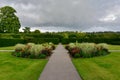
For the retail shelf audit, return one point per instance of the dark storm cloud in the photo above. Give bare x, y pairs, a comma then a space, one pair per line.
78, 13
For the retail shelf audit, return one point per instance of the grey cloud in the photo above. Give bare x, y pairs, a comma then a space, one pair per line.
82, 14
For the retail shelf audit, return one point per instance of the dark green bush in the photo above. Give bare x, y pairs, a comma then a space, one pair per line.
32, 56
42, 56
10, 42
46, 52
77, 55
41, 40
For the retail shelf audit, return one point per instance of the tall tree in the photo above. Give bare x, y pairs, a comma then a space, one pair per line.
9, 22
26, 30
37, 31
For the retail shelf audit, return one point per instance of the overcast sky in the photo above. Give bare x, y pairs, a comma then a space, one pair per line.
86, 15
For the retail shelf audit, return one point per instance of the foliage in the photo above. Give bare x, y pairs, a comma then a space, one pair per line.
87, 49
32, 50
77, 55
74, 50
37, 31
10, 42
42, 56
36, 49
39, 38
26, 30
47, 51
102, 46
20, 48
9, 22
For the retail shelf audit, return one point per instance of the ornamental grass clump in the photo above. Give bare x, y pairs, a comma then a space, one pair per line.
102, 49
36, 49
73, 49
52, 46
19, 47
19, 50
32, 50
72, 45
87, 50
28, 48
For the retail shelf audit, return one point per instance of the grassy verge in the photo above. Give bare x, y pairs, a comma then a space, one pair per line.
114, 47
99, 68
13, 68
7, 48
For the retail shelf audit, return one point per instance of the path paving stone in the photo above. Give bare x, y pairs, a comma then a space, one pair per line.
59, 67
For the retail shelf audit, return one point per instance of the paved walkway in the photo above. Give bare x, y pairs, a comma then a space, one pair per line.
59, 67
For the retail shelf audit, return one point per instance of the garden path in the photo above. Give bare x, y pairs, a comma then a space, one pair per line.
60, 67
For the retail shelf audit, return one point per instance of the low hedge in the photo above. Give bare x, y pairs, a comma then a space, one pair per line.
95, 40
41, 40
10, 42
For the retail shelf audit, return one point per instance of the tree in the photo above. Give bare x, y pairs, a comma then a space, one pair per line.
26, 30
37, 31
9, 22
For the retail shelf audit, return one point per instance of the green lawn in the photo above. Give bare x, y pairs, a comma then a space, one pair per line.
99, 68
7, 48
13, 68
114, 47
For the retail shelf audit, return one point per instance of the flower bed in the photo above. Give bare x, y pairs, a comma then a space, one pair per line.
87, 50
34, 51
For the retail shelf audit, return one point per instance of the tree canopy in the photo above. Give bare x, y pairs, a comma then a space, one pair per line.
9, 22
37, 31
26, 30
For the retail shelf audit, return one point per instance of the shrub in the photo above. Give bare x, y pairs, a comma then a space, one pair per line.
10, 42
46, 51
32, 56
87, 49
42, 56
18, 54
67, 47
32, 50
74, 51
52, 46
30, 44
72, 45
19, 48
102, 49
102, 46
36, 49
77, 55
41, 40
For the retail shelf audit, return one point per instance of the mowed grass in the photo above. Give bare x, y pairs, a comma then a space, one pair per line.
99, 68
13, 68
7, 48
114, 47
